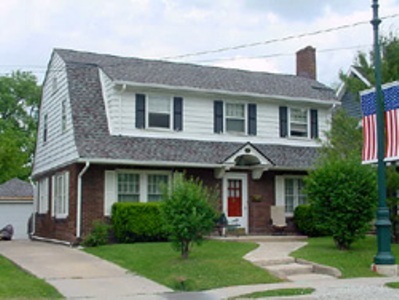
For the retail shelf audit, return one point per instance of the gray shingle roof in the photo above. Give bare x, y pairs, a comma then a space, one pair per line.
92, 136
195, 76
15, 188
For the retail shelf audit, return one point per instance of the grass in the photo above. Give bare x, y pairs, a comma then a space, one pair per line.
392, 285
276, 293
16, 283
352, 263
211, 265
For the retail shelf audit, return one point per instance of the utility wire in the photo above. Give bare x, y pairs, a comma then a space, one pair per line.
290, 37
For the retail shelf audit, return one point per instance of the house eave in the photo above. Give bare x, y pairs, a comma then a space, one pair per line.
277, 98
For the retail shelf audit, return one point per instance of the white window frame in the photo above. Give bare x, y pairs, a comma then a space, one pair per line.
60, 195
148, 112
225, 117
307, 125
42, 195
280, 187
143, 181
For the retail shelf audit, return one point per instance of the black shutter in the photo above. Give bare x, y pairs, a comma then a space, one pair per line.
178, 113
314, 124
283, 121
140, 111
252, 119
218, 116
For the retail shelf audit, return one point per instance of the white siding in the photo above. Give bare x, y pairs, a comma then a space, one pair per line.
198, 117
60, 146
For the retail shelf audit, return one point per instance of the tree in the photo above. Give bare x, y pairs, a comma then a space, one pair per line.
364, 63
188, 212
19, 103
343, 197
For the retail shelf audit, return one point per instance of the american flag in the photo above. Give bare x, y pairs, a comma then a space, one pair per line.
391, 98
391, 102
369, 122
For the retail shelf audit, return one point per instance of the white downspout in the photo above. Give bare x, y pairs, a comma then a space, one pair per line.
35, 204
79, 201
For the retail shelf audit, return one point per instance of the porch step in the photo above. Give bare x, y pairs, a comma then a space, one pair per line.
285, 270
310, 277
275, 261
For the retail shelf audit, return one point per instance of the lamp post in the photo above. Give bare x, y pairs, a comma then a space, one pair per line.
384, 255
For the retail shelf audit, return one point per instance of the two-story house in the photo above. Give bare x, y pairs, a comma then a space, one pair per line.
115, 129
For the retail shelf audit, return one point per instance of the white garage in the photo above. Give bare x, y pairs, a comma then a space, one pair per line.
16, 206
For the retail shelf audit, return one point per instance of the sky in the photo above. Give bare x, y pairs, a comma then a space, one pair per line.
168, 29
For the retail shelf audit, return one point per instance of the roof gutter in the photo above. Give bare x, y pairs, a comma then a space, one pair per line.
79, 201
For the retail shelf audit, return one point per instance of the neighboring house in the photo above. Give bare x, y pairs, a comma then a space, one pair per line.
350, 102
16, 206
114, 129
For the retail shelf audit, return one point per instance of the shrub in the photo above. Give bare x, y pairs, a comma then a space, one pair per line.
343, 195
138, 222
307, 223
98, 236
188, 212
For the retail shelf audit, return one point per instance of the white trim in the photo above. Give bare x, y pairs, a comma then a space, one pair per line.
243, 221
245, 119
147, 111
64, 194
280, 195
308, 125
342, 88
270, 97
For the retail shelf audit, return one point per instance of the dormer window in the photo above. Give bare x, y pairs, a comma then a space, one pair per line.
159, 112
299, 122
235, 117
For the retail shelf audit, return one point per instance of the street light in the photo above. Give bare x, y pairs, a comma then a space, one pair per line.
384, 255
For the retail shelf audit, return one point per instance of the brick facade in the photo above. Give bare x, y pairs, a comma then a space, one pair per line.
261, 196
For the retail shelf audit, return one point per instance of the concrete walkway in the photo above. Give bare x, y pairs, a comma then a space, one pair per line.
76, 274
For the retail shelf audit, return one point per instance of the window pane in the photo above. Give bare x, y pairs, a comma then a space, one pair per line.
299, 115
128, 187
299, 122
159, 105
299, 130
235, 125
155, 184
235, 110
301, 195
289, 195
158, 120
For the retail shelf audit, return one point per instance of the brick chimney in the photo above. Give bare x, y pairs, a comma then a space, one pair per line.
306, 62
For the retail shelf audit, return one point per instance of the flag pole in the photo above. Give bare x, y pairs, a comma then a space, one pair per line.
383, 224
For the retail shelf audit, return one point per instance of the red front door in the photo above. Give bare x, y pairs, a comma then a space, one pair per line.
234, 198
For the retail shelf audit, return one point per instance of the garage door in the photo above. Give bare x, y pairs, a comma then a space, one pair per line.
16, 214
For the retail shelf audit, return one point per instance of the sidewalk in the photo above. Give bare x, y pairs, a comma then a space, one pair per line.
76, 274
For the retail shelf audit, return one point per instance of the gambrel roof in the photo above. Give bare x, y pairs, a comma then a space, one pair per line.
92, 137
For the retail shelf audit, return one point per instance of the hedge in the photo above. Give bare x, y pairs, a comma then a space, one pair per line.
307, 223
138, 222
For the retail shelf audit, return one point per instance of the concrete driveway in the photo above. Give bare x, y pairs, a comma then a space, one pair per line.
76, 274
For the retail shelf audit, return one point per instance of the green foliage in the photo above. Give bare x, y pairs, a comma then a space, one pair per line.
19, 103
392, 285
188, 212
213, 265
364, 63
133, 222
343, 196
307, 223
344, 140
99, 235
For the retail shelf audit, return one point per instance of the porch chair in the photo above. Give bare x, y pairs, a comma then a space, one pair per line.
278, 219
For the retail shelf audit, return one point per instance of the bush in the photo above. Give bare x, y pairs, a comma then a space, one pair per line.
307, 223
138, 222
343, 195
188, 212
99, 235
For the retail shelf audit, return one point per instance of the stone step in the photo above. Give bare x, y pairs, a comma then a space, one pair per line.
309, 277
285, 270
275, 261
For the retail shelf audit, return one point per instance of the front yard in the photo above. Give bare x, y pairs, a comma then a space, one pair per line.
355, 262
17, 284
214, 264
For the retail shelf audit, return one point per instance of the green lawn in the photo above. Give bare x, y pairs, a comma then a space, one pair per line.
276, 293
211, 265
355, 262
17, 284
392, 285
